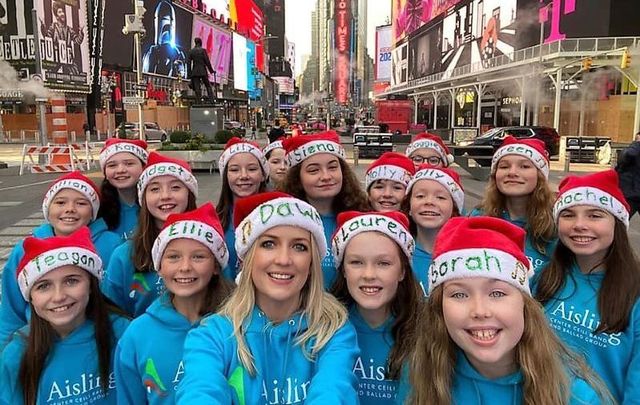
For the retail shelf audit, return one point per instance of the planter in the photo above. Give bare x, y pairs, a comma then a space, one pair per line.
197, 160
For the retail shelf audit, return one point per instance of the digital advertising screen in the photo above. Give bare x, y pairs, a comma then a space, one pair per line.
251, 70
64, 44
168, 38
425, 53
250, 20
341, 73
383, 53
240, 52
217, 42
16, 36
399, 61
117, 48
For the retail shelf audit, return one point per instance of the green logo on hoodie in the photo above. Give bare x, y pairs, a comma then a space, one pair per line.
236, 381
152, 380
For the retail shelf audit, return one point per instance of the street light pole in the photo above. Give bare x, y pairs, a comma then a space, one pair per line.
139, 12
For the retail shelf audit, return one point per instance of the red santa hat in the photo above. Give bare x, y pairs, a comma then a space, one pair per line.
447, 177
236, 146
74, 181
599, 190
254, 215
160, 165
300, 148
393, 224
44, 255
277, 144
532, 149
390, 166
429, 141
113, 146
201, 225
487, 247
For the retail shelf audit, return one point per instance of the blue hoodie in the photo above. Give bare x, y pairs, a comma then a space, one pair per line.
574, 315
71, 374
231, 270
128, 220
214, 373
329, 223
471, 387
371, 366
148, 370
538, 260
129, 289
421, 263
14, 310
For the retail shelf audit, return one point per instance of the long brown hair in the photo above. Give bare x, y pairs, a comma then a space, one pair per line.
620, 287
350, 197
540, 225
41, 337
407, 299
224, 207
547, 366
146, 234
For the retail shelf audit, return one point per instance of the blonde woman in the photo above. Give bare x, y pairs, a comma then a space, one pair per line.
279, 338
487, 340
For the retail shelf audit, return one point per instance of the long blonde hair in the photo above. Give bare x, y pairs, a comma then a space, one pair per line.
547, 366
325, 315
540, 225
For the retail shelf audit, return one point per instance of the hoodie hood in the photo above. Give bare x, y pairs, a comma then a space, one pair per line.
162, 311
43, 231
472, 387
362, 326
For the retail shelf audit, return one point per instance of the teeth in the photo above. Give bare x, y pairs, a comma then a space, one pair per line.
430, 214
167, 207
370, 290
582, 239
184, 280
61, 309
68, 219
484, 334
279, 276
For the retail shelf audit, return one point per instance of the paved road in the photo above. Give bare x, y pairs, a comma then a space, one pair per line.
21, 199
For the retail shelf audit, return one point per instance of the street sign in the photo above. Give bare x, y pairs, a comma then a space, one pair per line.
327, 99
133, 100
142, 86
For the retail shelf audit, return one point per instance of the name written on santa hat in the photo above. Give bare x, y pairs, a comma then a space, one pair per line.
162, 169
79, 185
195, 230
587, 195
311, 148
75, 258
476, 263
537, 158
373, 223
389, 172
434, 174
267, 211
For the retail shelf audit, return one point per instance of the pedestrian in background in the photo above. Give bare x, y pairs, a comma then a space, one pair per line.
72, 201
591, 288
244, 172
189, 254
373, 252
65, 354
280, 337
122, 162
518, 191
166, 186
628, 169
485, 339
275, 132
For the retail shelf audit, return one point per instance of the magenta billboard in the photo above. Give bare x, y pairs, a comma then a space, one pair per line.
217, 42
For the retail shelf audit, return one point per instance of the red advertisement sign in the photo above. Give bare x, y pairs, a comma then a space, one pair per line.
251, 25
343, 49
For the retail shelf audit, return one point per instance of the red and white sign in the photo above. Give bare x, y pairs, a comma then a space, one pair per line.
251, 24
285, 84
343, 49
383, 53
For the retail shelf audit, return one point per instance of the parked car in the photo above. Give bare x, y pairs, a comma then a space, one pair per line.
152, 131
235, 127
495, 136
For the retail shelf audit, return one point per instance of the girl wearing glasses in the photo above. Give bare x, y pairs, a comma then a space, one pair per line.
430, 149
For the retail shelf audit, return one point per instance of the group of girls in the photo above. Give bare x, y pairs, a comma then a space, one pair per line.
322, 291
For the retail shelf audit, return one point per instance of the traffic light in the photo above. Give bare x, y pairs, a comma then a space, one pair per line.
626, 59
586, 63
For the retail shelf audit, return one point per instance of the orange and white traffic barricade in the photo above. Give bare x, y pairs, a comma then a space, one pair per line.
51, 153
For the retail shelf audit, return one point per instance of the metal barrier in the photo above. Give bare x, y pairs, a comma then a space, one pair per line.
372, 145
589, 149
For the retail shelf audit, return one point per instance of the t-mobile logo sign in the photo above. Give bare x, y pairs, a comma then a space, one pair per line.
556, 9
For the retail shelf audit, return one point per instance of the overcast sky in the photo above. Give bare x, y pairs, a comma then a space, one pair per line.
298, 24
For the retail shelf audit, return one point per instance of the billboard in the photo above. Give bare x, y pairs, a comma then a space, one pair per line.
410, 15
16, 36
64, 44
117, 48
425, 53
240, 52
251, 70
217, 42
383, 53
168, 39
285, 84
274, 14
250, 20
342, 63
220, 7
399, 62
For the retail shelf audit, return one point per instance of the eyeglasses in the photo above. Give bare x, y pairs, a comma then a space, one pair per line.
432, 160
